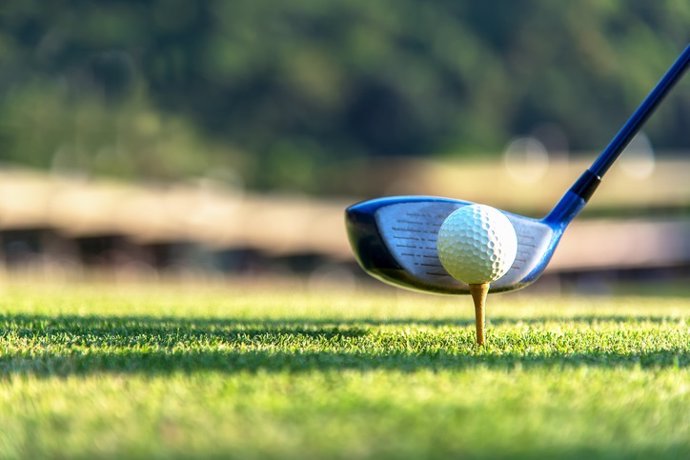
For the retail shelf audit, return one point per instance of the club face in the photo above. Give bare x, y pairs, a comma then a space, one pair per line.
394, 240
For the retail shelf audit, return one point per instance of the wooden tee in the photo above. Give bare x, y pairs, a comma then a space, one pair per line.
479, 293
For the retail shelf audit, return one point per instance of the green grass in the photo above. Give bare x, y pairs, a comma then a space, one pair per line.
160, 371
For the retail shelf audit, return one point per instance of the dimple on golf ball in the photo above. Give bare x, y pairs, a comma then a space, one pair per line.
477, 244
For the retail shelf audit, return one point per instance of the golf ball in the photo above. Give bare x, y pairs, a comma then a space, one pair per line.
477, 244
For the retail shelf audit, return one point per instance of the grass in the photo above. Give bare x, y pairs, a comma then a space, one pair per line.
174, 371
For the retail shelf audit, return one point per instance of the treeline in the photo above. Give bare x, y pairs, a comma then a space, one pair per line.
273, 93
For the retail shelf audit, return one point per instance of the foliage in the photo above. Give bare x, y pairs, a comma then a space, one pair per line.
277, 91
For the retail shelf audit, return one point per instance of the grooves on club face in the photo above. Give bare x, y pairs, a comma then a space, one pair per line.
394, 240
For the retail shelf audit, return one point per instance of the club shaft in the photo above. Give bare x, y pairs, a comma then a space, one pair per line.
578, 195
643, 112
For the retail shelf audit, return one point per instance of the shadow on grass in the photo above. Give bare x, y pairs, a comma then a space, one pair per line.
161, 345
305, 325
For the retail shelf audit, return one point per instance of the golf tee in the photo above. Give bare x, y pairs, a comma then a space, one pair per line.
479, 293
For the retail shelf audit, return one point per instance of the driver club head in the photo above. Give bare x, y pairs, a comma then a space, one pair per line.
394, 240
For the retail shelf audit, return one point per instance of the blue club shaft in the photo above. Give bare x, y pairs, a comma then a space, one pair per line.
643, 112
576, 197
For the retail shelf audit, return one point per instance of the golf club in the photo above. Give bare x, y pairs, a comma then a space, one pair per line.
394, 238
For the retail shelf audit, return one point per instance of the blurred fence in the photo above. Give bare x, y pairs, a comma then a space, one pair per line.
64, 223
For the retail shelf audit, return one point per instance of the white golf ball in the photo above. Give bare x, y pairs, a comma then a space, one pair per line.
477, 244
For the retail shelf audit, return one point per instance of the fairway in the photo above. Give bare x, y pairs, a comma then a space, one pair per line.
285, 372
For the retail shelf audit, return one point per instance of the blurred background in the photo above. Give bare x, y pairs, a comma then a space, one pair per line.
212, 139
